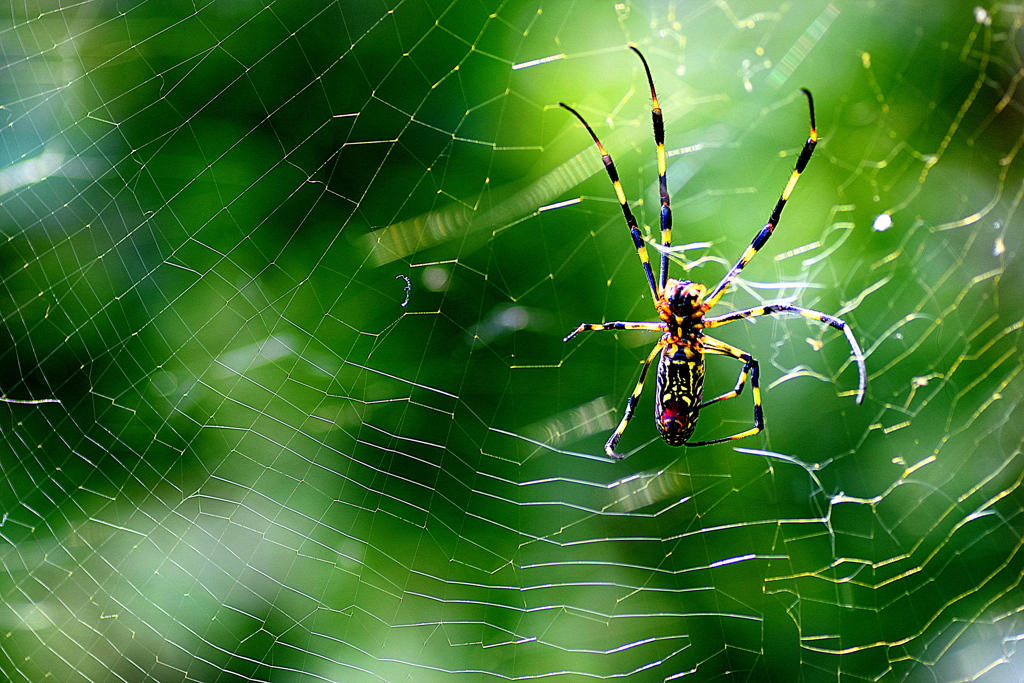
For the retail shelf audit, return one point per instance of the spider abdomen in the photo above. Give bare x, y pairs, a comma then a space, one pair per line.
678, 391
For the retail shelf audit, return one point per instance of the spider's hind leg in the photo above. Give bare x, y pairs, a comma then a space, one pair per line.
751, 369
634, 398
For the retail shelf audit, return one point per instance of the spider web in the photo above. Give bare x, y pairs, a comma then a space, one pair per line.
284, 391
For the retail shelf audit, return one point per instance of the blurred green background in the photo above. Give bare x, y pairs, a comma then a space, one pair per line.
237, 445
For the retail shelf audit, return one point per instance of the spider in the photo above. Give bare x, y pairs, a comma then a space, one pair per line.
682, 308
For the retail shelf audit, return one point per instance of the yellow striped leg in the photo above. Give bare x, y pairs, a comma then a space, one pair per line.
751, 368
597, 327
613, 440
634, 231
769, 227
666, 207
832, 321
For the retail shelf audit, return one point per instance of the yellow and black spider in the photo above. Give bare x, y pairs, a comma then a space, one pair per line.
682, 306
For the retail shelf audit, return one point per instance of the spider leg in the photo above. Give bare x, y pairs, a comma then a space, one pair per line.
618, 325
666, 207
832, 321
751, 368
759, 240
613, 440
634, 231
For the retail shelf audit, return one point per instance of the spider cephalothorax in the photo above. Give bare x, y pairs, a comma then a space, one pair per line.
682, 307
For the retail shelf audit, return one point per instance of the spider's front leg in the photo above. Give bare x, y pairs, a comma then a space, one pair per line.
761, 237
